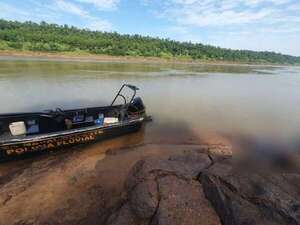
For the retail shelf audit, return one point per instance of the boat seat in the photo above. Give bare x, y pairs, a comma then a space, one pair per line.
33, 129
79, 116
32, 126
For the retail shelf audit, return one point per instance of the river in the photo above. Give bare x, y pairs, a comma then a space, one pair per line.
194, 106
255, 102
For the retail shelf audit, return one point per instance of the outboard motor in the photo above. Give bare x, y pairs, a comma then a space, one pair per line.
136, 106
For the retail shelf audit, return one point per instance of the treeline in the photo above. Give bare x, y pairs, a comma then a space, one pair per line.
54, 38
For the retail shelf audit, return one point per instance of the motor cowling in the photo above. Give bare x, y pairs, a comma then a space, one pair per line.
136, 105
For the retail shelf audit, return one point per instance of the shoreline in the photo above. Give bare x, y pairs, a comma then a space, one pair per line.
169, 184
87, 57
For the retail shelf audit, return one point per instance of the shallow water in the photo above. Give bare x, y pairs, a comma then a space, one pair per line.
249, 102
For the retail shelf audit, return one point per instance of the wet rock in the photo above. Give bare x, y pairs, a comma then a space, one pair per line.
144, 199
165, 190
187, 165
84, 187
182, 187
124, 216
243, 196
205, 188
183, 202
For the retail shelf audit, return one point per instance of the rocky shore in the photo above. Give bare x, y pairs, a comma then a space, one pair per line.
151, 185
196, 187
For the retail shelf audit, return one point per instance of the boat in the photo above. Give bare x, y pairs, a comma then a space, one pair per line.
47, 130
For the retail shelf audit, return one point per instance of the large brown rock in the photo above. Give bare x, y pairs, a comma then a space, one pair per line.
187, 164
182, 188
144, 199
165, 191
263, 196
182, 202
124, 216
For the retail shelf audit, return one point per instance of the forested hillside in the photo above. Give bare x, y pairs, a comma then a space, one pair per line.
54, 38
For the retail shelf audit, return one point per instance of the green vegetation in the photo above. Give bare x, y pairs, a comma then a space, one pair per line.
45, 37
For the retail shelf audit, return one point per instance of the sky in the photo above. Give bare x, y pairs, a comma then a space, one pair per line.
271, 25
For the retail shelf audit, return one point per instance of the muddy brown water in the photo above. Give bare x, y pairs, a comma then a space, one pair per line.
192, 105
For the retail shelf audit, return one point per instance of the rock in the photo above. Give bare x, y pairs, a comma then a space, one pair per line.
87, 187
144, 199
187, 164
123, 216
254, 197
165, 190
182, 202
182, 188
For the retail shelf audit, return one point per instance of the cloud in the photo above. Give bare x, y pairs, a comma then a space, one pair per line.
71, 8
206, 13
57, 11
35, 12
102, 5
267, 41
88, 21
10, 12
239, 24
91, 22
100, 25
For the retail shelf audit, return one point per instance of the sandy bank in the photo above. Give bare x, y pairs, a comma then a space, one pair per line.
69, 56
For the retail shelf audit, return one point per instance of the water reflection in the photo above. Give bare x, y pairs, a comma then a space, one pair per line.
39, 68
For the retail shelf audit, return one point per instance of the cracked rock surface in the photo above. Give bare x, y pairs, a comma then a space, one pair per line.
165, 191
253, 197
195, 187
150, 185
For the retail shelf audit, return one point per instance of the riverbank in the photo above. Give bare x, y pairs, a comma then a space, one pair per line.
149, 183
210, 188
83, 185
84, 56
